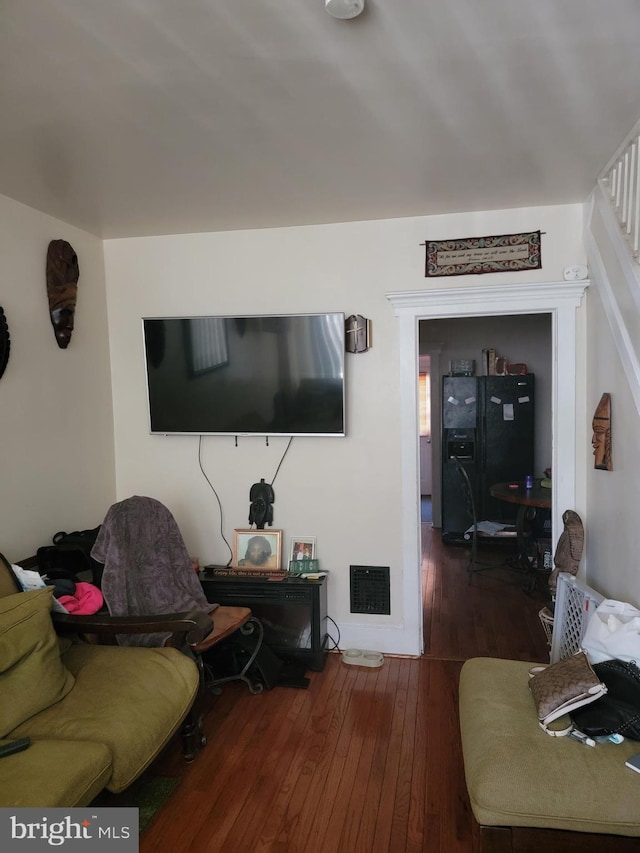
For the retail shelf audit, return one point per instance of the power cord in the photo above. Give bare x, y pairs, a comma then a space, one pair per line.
286, 450
336, 643
211, 486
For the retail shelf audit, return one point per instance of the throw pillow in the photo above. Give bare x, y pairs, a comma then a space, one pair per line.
32, 676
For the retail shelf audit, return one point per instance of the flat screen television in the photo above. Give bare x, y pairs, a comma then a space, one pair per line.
254, 375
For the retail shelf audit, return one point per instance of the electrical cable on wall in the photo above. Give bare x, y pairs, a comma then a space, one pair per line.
336, 643
211, 486
282, 460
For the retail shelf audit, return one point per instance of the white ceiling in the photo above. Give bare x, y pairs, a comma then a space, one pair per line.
137, 117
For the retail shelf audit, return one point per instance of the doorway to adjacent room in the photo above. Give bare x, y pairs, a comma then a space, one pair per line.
560, 299
524, 338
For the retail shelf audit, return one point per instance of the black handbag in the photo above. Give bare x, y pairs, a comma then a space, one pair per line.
70, 555
618, 711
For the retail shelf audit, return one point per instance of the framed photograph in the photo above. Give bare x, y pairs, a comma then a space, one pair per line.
302, 548
257, 549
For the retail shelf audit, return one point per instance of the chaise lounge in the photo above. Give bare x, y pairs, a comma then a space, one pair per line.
529, 791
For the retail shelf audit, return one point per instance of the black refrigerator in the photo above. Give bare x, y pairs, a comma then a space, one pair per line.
488, 424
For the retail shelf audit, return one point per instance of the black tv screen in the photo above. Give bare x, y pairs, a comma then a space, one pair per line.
258, 375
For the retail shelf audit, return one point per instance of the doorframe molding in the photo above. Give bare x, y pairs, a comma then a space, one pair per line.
433, 349
561, 299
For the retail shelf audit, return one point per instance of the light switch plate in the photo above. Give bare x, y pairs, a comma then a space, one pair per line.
577, 273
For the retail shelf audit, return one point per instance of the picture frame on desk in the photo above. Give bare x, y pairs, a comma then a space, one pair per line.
302, 548
257, 550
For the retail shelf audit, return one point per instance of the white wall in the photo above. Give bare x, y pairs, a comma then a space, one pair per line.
56, 447
57, 452
349, 495
611, 527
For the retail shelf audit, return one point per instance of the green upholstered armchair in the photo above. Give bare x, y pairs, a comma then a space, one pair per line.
96, 715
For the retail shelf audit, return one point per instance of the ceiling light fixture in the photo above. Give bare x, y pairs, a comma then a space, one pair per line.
344, 9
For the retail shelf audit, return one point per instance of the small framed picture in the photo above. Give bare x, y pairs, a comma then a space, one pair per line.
303, 548
257, 549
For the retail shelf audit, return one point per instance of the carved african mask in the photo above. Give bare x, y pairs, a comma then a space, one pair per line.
5, 342
62, 288
261, 496
601, 439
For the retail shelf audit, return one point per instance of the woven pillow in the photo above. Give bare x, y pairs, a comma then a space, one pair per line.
32, 676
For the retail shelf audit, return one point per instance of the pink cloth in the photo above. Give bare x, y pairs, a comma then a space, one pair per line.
86, 600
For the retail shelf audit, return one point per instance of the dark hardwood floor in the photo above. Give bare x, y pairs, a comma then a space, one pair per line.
363, 760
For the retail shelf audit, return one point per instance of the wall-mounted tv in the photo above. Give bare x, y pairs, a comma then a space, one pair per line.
254, 375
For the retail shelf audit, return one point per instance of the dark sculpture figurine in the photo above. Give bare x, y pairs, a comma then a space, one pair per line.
62, 288
569, 548
261, 511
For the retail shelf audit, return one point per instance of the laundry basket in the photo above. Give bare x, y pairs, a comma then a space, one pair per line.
575, 602
546, 618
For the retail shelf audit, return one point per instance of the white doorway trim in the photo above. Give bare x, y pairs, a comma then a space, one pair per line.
558, 298
434, 350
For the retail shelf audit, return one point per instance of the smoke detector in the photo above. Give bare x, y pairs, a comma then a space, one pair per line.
577, 273
344, 9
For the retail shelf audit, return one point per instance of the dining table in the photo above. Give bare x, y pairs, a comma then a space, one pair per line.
528, 499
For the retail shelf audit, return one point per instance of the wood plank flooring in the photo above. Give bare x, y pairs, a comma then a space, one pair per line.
363, 761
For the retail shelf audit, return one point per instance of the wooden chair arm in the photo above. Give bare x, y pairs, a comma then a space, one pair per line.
189, 627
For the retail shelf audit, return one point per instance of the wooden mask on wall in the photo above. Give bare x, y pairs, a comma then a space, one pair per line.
62, 288
601, 439
5, 342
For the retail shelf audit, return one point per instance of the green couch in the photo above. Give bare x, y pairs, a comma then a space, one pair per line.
97, 715
529, 791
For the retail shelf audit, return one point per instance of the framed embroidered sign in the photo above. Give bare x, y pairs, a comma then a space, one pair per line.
477, 255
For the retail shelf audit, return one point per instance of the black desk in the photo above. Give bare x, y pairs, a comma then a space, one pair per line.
292, 611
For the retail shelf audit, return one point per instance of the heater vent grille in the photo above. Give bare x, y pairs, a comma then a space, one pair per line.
370, 591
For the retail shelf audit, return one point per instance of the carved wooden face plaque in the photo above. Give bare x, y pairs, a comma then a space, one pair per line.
5, 342
601, 439
62, 288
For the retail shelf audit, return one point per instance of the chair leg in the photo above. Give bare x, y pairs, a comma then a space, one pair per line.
192, 731
251, 627
473, 554
474, 565
193, 736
